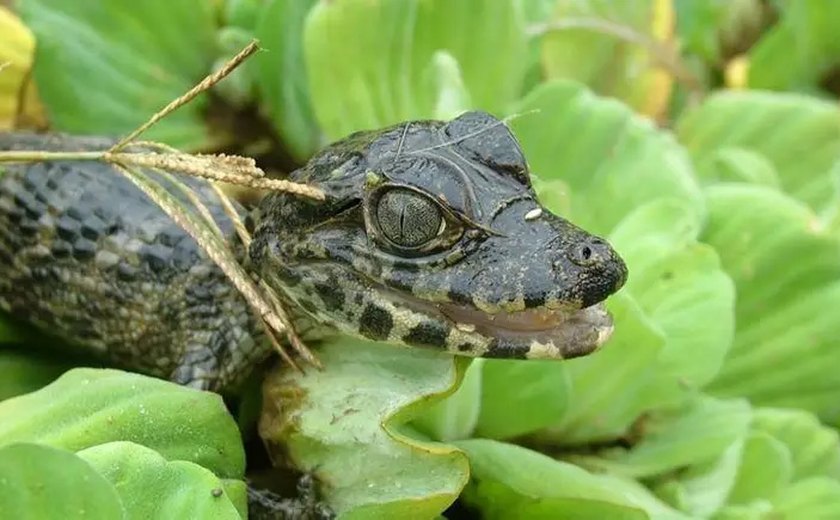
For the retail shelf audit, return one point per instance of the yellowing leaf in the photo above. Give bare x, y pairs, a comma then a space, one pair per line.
737, 71
17, 49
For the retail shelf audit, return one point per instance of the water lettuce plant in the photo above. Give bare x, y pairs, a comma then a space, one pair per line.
701, 137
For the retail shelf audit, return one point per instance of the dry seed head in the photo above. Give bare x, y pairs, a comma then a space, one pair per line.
232, 169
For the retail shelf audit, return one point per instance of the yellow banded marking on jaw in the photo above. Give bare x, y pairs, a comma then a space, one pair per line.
457, 339
540, 350
404, 321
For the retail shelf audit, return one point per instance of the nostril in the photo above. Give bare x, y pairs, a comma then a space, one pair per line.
586, 253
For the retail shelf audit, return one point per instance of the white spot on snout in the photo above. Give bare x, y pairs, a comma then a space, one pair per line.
534, 214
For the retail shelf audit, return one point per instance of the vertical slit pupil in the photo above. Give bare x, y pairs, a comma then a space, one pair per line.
409, 219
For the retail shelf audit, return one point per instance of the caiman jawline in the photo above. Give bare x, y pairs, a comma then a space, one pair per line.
546, 333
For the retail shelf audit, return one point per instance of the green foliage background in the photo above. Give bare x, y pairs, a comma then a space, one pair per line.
701, 137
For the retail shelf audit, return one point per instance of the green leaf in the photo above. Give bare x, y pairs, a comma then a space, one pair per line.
814, 498
697, 434
281, 74
535, 12
444, 78
815, 448
345, 425
455, 417
682, 288
798, 51
519, 397
754, 511
152, 487
614, 63
610, 160
734, 164
237, 493
602, 408
661, 353
567, 509
119, 62
237, 89
799, 135
24, 373
765, 469
40, 482
831, 215
702, 490
787, 272
239, 19
369, 61
242, 13
697, 23
86, 407
711, 29
509, 481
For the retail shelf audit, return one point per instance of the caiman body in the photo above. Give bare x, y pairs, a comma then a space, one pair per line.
430, 235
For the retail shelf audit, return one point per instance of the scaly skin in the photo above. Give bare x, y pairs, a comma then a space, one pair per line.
88, 257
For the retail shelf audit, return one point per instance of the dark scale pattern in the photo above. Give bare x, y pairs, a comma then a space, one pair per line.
120, 278
427, 334
331, 295
375, 323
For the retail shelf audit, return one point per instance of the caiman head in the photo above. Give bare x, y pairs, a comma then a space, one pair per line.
431, 235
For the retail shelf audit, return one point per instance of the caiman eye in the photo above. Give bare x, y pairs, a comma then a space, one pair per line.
408, 219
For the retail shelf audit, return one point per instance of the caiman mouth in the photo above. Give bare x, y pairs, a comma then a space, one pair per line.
551, 333
538, 333
546, 333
